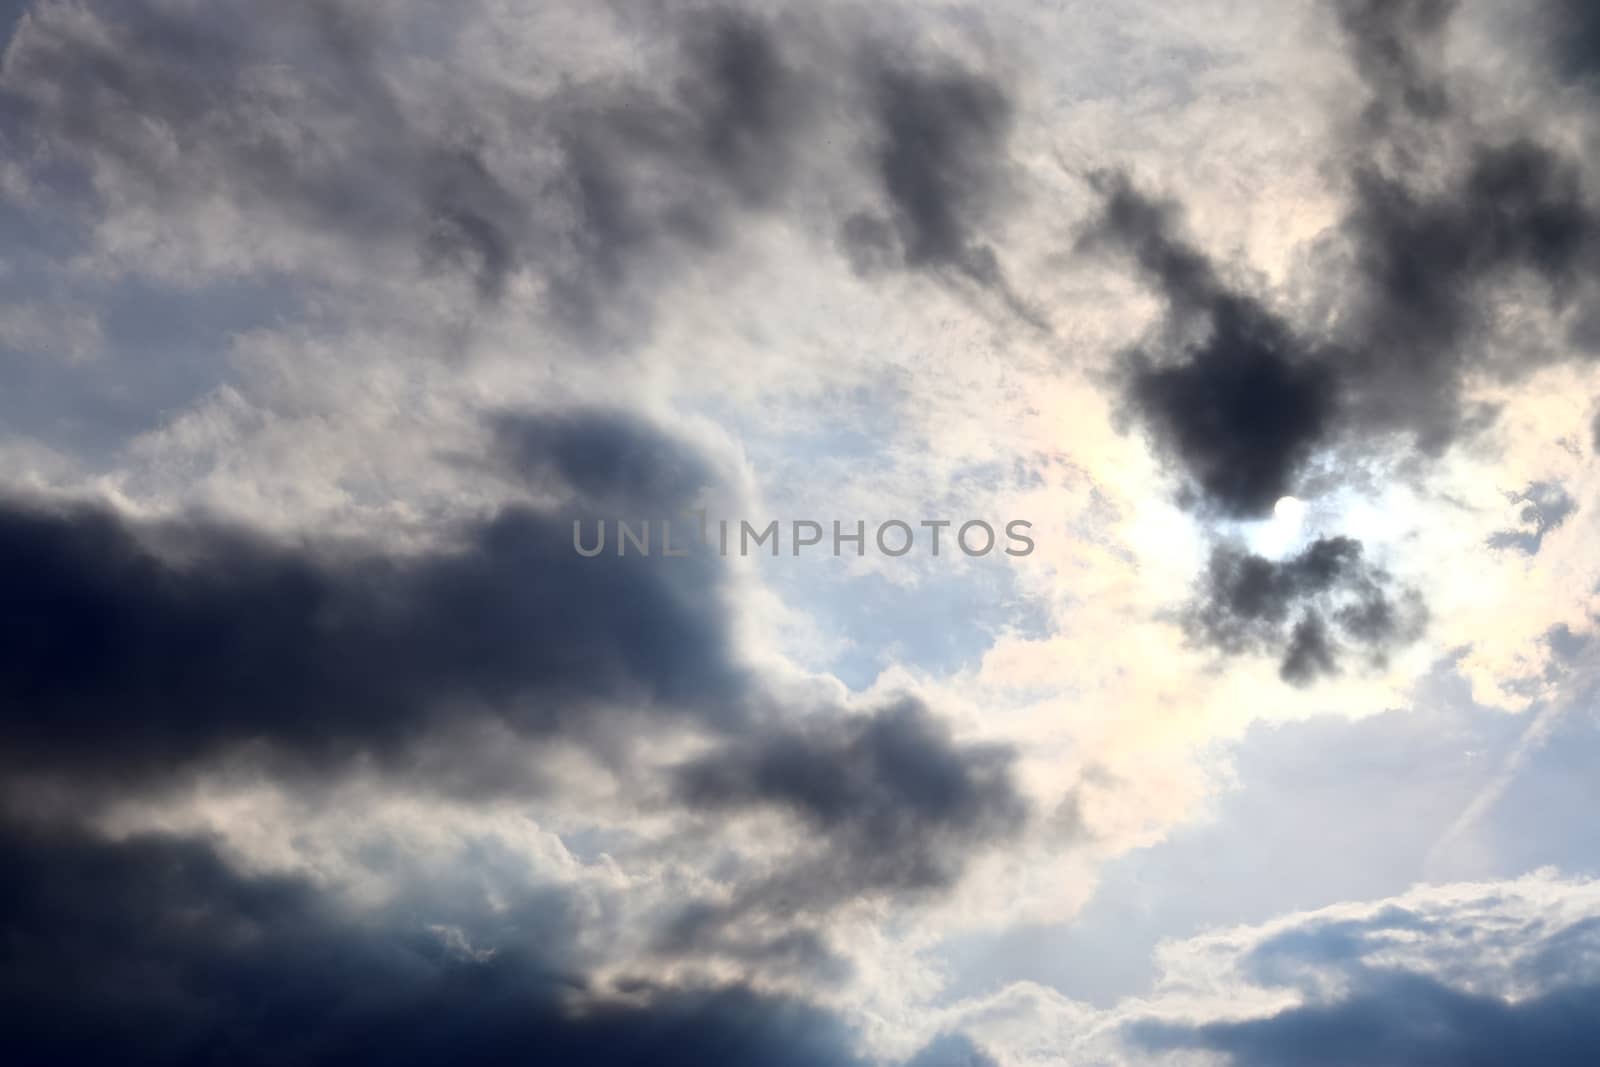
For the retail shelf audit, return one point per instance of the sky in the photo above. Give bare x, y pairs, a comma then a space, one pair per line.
331, 332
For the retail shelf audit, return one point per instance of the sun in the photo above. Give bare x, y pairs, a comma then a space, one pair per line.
1289, 511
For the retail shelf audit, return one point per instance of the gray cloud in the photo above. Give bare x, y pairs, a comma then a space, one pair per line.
1312, 609
612, 459
594, 191
173, 107
648, 172
338, 151
190, 961
1384, 36
1429, 261
706, 931
890, 802
1574, 34
1242, 408
1245, 402
1565, 645
1433, 235
941, 136
942, 166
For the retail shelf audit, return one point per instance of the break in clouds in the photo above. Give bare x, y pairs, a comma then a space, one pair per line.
1443, 221
719, 853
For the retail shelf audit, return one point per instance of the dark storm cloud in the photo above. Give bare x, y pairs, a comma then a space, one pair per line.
1432, 265
1574, 34
1246, 406
890, 801
153, 951
140, 648
1545, 506
1442, 226
1311, 609
137, 653
1437, 238
879, 804
1242, 407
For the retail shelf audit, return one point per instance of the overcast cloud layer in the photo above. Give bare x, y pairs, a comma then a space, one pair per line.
330, 332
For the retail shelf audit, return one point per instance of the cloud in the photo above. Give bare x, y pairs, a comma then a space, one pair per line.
893, 803
188, 961
610, 458
1241, 409
1313, 609
178, 642
705, 931
1574, 28
1248, 404
1405, 1020
941, 142
1473, 974
299, 118
1433, 233
943, 170
593, 189
1428, 260
1566, 646
142, 654
1383, 40
191, 960
178, 106
750, 99
464, 178
647, 173
1545, 506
